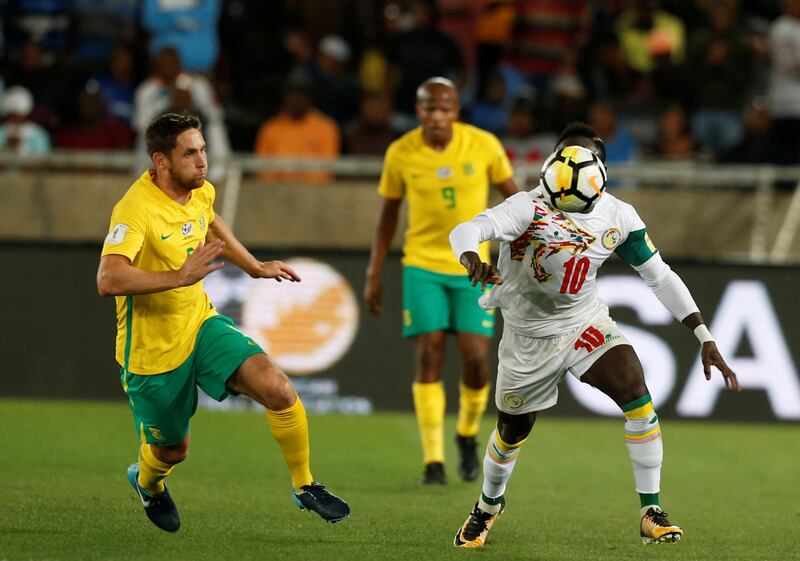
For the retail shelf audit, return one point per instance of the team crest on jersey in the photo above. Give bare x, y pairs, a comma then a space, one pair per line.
468, 169
513, 400
202, 222
186, 229
611, 238
444, 172
157, 434
549, 233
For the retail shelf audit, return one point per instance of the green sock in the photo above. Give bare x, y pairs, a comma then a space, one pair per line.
648, 499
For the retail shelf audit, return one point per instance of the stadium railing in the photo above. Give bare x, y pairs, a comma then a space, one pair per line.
762, 181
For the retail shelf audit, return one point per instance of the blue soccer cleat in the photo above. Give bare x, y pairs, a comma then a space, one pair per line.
160, 509
315, 497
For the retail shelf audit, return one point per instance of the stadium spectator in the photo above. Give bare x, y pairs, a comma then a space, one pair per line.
189, 26
644, 29
117, 86
336, 91
784, 85
98, 25
170, 89
299, 130
620, 146
444, 169
489, 111
18, 133
674, 140
757, 145
546, 33
415, 55
494, 29
95, 129
720, 62
372, 132
38, 77
523, 142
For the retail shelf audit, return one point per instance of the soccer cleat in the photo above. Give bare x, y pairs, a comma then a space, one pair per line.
434, 474
655, 527
468, 457
315, 497
476, 527
160, 509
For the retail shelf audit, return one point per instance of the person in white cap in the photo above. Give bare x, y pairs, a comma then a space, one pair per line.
17, 133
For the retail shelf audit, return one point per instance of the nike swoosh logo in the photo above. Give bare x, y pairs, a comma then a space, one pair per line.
163, 237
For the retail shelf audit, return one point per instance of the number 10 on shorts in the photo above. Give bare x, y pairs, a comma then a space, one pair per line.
590, 339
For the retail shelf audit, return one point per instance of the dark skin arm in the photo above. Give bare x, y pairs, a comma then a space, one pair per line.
711, 356
478, 271
387, 226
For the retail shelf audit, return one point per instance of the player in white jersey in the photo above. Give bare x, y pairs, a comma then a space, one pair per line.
554, 323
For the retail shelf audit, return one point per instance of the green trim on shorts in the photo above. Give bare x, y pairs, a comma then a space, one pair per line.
441, 302
162, 404
128, 329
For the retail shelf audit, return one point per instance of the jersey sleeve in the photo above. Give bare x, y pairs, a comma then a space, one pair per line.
499, 165
391, 185
637, 247
126, 231
510, 218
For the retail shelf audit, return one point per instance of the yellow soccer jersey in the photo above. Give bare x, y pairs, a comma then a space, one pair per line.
156, 332
443, 189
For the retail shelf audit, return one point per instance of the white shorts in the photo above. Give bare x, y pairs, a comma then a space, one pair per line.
530, 368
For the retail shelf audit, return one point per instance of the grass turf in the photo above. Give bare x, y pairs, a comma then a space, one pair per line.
65, 496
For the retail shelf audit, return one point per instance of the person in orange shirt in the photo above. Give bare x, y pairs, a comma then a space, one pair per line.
299, 130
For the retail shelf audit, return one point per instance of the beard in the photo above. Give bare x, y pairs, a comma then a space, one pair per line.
189, 182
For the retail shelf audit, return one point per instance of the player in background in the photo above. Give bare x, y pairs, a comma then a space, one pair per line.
444, 169
164, 237
555, 322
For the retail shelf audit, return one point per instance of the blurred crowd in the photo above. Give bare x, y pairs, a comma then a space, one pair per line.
677, 79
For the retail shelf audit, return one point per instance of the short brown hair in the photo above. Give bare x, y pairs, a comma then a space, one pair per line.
162, 134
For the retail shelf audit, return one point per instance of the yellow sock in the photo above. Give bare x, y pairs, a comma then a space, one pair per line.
152, 471
429, 403
290, 429
471, 405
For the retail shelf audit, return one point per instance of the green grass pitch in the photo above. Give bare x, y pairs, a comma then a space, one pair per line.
64, 493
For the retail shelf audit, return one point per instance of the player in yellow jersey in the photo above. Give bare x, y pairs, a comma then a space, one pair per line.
163, 240
444, 169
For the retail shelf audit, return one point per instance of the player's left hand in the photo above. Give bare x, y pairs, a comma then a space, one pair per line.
711, 357
277, 270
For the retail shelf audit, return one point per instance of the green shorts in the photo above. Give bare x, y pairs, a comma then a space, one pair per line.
162, 404
437, 302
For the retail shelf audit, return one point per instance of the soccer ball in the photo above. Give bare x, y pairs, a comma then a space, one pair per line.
573, 179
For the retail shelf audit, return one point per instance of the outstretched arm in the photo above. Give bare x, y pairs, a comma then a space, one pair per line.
465, 239
384, 233
237, 254
673, 293
116, 276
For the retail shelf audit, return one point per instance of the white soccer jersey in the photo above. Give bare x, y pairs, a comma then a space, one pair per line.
549, 259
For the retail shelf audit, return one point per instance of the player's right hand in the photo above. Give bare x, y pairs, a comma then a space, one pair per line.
372, 295
200, 263
478, 271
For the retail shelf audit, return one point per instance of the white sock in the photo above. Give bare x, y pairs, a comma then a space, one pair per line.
498, 463
646, 450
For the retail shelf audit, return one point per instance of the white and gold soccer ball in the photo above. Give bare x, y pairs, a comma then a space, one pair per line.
573, 179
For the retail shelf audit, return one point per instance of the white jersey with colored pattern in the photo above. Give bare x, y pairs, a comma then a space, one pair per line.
549, 259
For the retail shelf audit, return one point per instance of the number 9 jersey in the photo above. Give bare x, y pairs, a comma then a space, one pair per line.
549, 259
